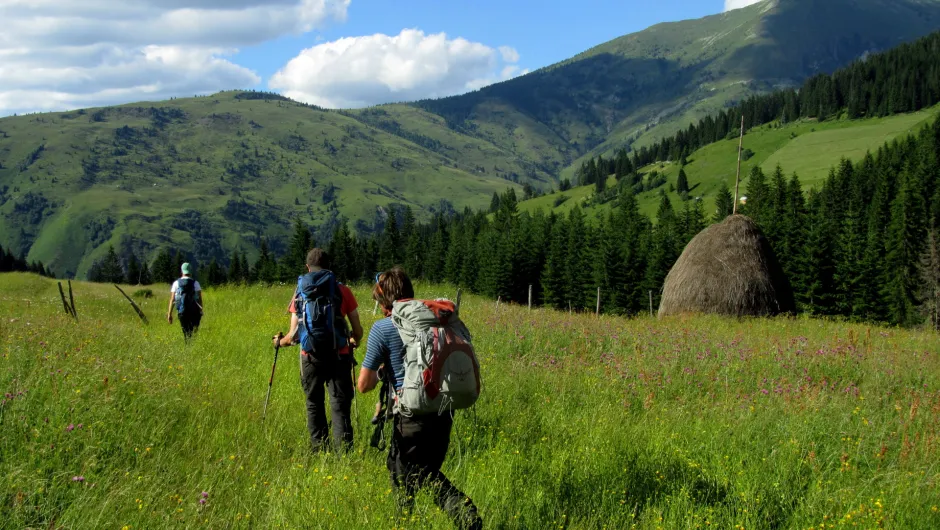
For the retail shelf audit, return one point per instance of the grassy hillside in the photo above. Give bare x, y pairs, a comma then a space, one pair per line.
646, 85
807, 148
583, 423
215, 173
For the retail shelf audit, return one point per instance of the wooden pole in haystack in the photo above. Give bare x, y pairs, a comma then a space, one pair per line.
737, 178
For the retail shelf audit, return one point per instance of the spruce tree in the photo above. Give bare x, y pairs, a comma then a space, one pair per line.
724, 203
930, 279
235, 274
554, 285
903, 245
293, 264
682, 183
163, 271
391, 249
435, 259
133, 271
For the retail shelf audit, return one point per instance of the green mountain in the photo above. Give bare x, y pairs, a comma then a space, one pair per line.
218, 173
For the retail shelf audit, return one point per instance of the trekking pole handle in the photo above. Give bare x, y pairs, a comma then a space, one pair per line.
277, 348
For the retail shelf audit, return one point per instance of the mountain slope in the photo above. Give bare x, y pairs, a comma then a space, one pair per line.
640, 87
216, 173
213, 174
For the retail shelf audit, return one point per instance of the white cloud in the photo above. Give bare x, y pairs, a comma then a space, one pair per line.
57, 54
737, 4
362, 71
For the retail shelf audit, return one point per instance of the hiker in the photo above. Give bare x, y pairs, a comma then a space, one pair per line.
419, 441
186, 295
319, 310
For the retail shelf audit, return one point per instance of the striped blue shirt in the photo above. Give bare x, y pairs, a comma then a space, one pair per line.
385, 343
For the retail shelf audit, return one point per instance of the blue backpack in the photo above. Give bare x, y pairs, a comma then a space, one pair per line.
186, 297
322, 327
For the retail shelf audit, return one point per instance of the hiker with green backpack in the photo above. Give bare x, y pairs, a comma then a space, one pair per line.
434, 372
186, 295
319, 310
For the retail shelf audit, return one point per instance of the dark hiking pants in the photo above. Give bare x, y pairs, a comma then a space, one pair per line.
336, 375
418, 449
189, 323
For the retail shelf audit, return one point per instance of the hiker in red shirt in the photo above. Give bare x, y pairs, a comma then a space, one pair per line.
331, 362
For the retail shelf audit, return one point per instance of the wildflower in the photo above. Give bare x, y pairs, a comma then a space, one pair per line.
205, 494
78, 478
70, 428
202, 501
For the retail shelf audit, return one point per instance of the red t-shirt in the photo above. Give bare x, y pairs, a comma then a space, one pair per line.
348, 306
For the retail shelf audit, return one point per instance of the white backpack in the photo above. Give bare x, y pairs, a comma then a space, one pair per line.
441, 368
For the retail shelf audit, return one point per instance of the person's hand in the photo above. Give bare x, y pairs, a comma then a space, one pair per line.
169, 317
352, 343
277, 339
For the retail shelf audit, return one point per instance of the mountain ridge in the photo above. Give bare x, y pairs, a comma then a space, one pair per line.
248, 163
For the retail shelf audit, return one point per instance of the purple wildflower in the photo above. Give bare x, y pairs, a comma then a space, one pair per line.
78, 478
70, 428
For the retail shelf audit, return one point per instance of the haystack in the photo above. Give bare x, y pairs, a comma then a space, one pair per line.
728, 269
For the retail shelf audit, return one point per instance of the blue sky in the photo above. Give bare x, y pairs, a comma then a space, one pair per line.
65, 54
543, 32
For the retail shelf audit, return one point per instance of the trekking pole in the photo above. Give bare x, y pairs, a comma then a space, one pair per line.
352, 352
277, 348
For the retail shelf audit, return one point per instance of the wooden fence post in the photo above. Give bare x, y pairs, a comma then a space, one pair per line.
498, 300
651, 303
530, 297
597, 312
72, 301
458, 302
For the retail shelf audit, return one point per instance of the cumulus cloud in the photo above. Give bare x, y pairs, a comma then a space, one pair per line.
57, 54
362, 71
737, 4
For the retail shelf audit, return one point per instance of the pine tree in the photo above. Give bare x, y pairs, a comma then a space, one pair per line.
663, 253
682, 184
107, 269
434, 263
578, 266
554, 285
816, 266
163, 267
930, 280
133, 271
215, 274
391, 249
293, 264
341, 252
265, 269
146, 278
235, 273
758, 197
724, 203
904, 242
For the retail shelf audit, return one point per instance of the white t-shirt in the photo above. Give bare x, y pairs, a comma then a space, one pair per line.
176, 284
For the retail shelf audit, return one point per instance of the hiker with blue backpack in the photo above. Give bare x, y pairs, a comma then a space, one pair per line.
434, 372
319, 310
186, 295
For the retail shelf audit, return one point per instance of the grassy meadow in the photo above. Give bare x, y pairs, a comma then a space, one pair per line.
808, 148
584, 422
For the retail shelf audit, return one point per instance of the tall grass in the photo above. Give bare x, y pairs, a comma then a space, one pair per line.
584, 422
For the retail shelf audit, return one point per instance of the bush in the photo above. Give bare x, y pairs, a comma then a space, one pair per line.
560, 200
143, 293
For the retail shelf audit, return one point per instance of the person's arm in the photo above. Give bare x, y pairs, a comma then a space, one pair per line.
369, 373
288, 340
357, 332
368, 379
169, 308
201, 302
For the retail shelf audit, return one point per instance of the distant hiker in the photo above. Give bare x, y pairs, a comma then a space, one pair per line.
420, 436
319, 309
186, 295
